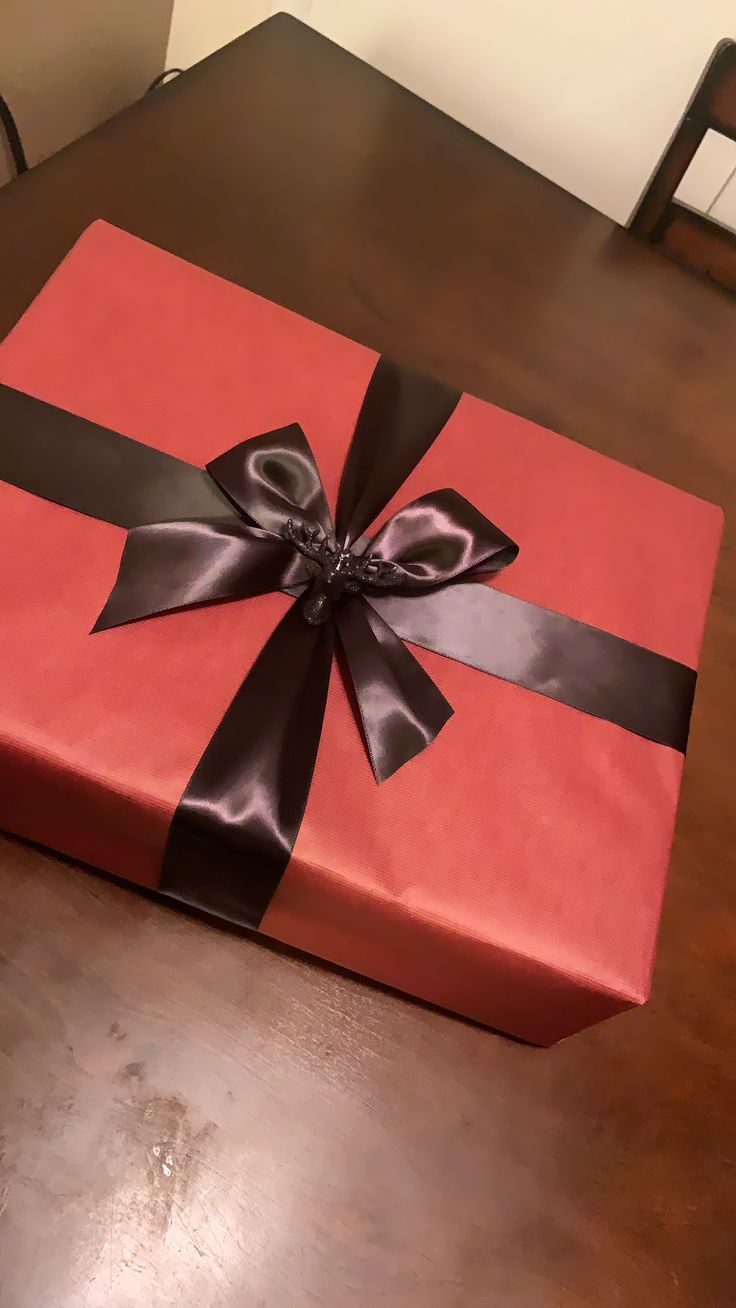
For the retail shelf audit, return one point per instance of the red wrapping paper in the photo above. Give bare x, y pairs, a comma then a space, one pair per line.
513, 872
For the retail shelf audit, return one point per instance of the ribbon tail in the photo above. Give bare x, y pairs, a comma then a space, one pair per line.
174, 565
401, 710
235, 826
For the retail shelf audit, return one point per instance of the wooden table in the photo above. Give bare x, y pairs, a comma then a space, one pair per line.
196, 1119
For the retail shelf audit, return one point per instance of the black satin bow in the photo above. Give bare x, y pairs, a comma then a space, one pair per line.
243, 807
285, 537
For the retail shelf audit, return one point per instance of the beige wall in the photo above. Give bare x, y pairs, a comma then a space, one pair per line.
65, 65
586, 91
200, 26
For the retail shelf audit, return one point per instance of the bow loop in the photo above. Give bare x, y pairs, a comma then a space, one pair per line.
272, 478
439, 538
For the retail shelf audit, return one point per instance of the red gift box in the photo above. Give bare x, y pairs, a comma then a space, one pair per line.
513, 871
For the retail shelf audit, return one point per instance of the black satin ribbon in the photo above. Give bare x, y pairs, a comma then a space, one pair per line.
236, 823
67, 459
563, 658
204, 536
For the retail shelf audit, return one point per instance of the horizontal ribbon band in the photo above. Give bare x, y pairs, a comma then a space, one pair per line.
563, 658
67, 459
257, 520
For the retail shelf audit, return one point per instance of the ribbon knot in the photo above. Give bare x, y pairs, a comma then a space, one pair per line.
336, 571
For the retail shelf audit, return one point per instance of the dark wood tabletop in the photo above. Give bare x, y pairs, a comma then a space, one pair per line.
196, 1118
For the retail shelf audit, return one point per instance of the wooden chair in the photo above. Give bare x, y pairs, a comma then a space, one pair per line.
693, 239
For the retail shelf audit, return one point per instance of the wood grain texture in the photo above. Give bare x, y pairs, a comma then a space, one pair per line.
197, 1118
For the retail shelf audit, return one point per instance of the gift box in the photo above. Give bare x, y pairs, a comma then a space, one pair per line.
448, 759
